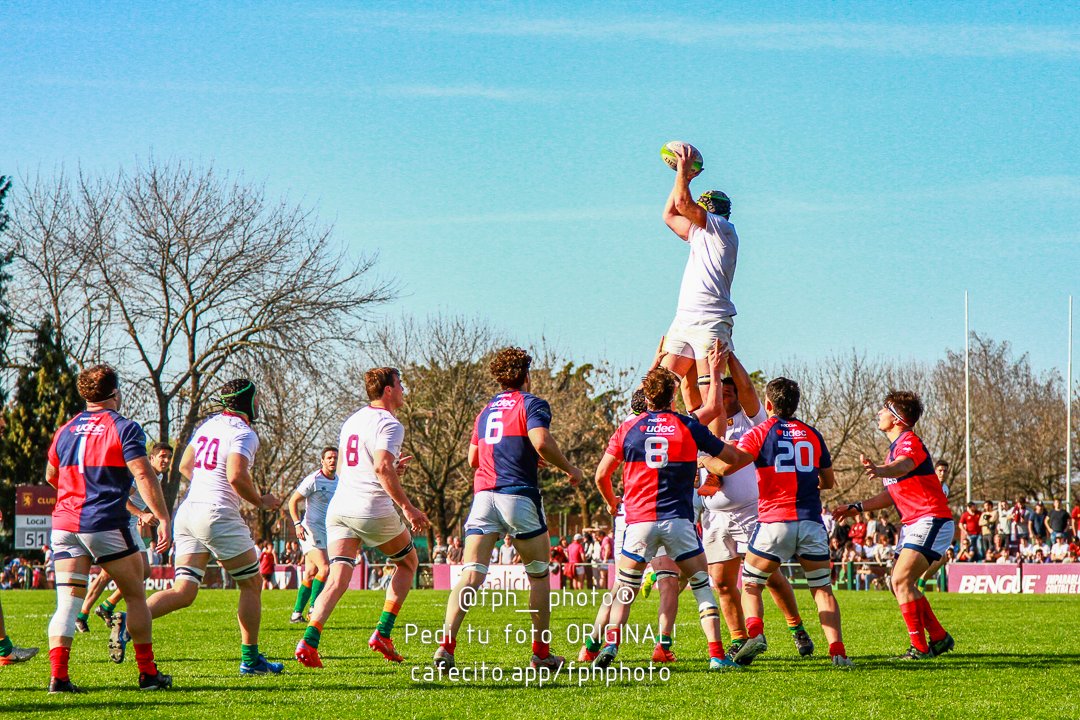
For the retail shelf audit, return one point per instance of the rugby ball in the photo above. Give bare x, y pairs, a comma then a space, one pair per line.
667, 154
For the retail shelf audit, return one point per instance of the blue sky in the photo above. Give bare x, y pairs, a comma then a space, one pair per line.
503, 159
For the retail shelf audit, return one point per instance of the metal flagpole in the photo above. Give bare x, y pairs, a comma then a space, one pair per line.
967, 401
1068, 416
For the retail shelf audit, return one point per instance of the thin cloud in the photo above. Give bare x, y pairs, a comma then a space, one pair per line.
872, 38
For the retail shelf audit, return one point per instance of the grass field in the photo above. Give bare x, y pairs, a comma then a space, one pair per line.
1015, 657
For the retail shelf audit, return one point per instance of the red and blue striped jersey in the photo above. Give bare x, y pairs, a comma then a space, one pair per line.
508, 460
788, 455
660, 450
91, 453
917, 494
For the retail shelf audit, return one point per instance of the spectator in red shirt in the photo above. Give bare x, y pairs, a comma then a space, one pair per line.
266, 565
1076, 520
575, 556
969, 520
857, 534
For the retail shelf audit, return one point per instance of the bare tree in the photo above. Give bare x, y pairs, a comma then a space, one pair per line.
198, 274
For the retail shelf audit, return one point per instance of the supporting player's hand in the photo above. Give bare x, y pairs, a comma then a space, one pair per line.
402, 464
418, 521
575, 476
718, 356
148, 519
868, 467
270, 501
164, 537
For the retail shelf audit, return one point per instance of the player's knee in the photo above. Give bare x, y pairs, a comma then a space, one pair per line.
474, 573
405, 557
667, 577
752, 577
630, 577
820, 578
537, 569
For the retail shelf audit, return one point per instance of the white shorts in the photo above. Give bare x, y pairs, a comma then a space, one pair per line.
726, 533
521, 516
695, 338
101, 547
315, 539
678, 536
619, 534
372, 532
782, 541
929, 535
217, 529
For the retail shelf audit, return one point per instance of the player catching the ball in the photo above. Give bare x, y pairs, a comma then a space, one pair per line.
926, 522
705, 312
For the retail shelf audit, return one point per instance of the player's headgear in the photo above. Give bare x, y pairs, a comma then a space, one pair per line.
716, 202
238, 396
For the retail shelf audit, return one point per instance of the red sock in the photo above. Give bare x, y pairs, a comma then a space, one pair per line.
144, 658
613, 636
837, 648
541, 650
58, 659
754, 626
913, 619
716, 649
929, 620
449, 646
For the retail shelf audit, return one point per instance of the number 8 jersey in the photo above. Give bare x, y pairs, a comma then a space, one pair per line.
508, 460
217, 438
788, 455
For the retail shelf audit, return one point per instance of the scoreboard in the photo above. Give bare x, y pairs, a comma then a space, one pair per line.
33, 516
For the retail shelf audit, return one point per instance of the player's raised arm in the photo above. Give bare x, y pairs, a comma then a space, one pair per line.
681, 212
744, 386
713, 409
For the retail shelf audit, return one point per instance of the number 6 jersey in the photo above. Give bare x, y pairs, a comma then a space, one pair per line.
789, 455
213, 442
508, 460
660, 450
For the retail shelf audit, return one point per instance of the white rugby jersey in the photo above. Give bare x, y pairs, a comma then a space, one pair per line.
705, 292
739, 488
213, 441
316, 489
359, 493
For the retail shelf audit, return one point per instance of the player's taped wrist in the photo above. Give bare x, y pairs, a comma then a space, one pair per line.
856, 506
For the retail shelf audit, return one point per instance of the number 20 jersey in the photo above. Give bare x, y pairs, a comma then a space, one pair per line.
789, 455
213, 442
508, 460
660, 450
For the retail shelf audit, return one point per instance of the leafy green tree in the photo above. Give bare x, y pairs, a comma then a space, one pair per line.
45, 398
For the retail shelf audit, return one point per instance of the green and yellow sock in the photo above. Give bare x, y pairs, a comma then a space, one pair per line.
666, 641
82, 616
313, 634
795, 629
249, 654
317, 586
107, 606
386, 620
302, 596
5, 646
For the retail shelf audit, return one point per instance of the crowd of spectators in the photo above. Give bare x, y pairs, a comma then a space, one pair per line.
1004, 533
